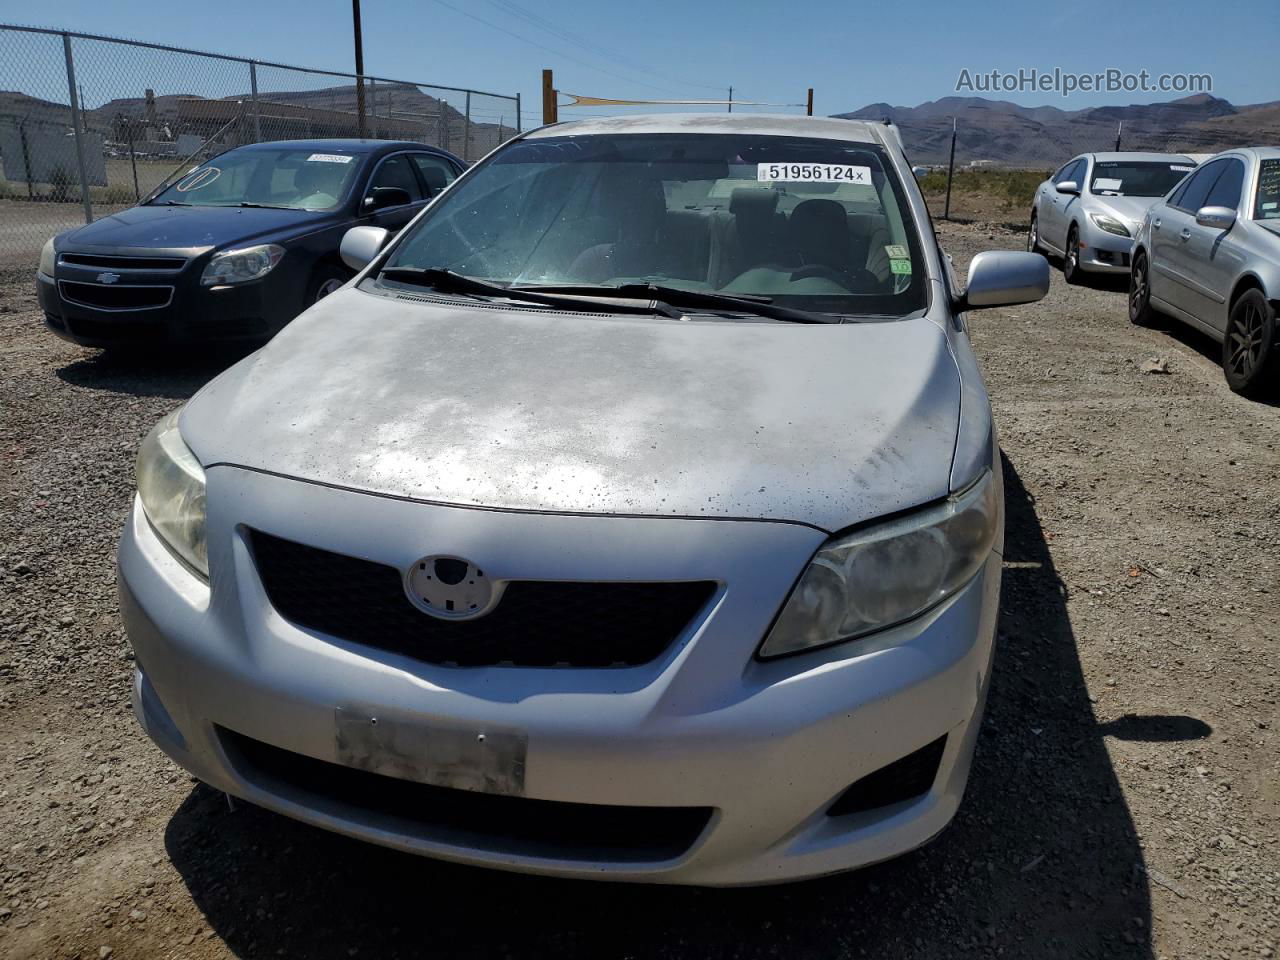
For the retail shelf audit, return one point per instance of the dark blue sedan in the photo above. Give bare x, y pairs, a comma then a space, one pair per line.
236, 247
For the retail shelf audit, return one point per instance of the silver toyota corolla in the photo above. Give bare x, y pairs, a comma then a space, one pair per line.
635, 513
1088, 212
1209, 254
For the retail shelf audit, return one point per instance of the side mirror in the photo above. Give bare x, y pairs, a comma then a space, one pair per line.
1216, 218
919, 172
1002, 278
1068, 186
381, 197
361, 244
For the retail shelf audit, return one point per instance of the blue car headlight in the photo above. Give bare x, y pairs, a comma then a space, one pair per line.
241, 265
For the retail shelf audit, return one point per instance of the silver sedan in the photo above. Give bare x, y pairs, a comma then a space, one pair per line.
1088, 211
636, 513
1209, 255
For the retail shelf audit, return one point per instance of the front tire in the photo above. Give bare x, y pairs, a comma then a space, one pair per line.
1071, 271
326, 279
1249, 351
1033, 235
1141, 313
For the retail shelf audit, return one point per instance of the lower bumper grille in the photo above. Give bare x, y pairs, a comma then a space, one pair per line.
513, 825
538, 623
906, 779
115, 297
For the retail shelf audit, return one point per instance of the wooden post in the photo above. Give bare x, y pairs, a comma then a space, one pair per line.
809, 109
550, 113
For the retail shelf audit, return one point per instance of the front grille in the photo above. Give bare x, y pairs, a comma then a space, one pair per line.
537, 623
103, 296
123, 263
906, 779
479, 821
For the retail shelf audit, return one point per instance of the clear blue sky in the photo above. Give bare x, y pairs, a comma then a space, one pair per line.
852, 53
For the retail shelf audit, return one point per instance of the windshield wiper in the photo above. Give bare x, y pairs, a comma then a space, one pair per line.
447, 281
173, 203
692, 299
262, 206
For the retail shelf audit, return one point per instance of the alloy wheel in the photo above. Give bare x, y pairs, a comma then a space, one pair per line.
1245, 341
1138, 289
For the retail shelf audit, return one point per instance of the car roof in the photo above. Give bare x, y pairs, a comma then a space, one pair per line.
766, 124
1141, 157
347, 145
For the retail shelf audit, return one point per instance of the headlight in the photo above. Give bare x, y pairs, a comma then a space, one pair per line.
48, 258
1109, 224
171, 487
888, 573
237, 266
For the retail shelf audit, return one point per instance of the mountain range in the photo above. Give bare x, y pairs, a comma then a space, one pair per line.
1009, 134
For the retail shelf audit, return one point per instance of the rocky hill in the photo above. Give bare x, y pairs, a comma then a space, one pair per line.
1009, 134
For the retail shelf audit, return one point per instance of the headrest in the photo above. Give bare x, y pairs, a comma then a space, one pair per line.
819, 214
757, 201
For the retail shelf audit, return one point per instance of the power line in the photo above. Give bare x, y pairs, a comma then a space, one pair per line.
542, 23
558, 53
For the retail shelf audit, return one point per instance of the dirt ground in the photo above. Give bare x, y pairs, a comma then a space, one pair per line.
1126, 792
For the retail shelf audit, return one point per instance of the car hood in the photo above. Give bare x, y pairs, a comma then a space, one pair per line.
490, 406
184, 228
1130, 210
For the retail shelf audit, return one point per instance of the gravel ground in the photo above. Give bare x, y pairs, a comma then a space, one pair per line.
1123, 803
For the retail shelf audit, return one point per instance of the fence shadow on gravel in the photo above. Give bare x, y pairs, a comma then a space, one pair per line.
1042, 861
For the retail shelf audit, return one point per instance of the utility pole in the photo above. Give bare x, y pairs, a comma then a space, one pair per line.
731, 99
550, 110
359, 41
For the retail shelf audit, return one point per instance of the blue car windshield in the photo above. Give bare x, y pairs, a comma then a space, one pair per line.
281, 177
812, 224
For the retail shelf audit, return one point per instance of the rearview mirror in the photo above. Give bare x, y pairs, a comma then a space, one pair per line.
1002, 278
381, 197
1216, 218
1068, 186
361, 244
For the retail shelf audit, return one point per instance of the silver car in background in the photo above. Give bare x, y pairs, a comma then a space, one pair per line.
1089, 210
1209, 255
635, 514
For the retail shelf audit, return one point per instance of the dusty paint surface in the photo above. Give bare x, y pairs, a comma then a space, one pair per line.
543, 410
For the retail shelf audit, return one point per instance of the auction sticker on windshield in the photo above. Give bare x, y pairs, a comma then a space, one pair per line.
328, 158
813, 173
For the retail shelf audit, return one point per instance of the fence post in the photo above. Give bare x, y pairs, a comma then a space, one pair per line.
517, 113
466, 130
373, 105
76, 123
809, 109
1119, 130
443, 126
257, 113
951, 171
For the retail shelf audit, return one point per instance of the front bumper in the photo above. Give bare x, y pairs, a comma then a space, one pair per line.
193, 314
1103, 252
765, 746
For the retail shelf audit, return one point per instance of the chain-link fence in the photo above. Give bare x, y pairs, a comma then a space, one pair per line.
91, 125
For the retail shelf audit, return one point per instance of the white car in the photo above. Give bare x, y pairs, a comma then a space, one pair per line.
1088, 212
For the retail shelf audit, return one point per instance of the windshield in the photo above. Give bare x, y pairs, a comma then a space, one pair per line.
280, 177
1129, 178
1267, 206
818, 225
